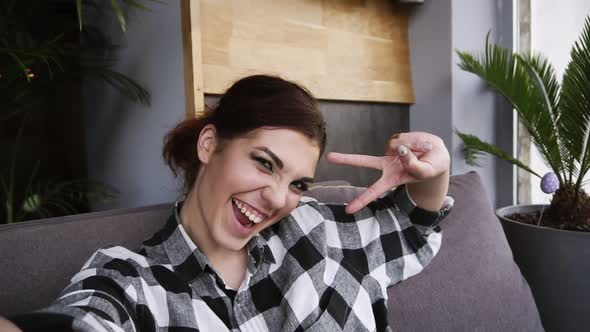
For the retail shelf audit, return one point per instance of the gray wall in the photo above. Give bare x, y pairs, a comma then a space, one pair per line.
448, 98
124, 140
362, 128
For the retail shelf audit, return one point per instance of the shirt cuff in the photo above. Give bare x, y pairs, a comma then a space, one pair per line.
418, 215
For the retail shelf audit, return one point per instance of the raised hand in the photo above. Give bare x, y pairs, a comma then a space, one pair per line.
409, 158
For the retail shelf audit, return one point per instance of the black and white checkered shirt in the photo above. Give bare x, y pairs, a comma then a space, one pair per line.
318, 269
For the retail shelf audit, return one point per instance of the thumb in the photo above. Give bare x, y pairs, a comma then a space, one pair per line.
410, 162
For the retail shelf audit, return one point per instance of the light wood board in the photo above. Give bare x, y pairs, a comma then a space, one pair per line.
339, 49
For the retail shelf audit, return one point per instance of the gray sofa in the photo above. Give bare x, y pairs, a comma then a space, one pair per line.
473, 283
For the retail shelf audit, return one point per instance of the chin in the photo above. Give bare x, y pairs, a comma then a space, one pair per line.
228, 241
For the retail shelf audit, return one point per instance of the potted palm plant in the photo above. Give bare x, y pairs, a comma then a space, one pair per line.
550, 243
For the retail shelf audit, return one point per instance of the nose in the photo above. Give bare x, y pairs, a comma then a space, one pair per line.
275, 195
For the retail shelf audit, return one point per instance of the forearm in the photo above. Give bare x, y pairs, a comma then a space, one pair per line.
7, 326
430, 195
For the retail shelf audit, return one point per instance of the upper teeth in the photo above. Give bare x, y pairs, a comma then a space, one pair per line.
248, 213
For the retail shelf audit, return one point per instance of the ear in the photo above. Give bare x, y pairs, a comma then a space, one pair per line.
207, 143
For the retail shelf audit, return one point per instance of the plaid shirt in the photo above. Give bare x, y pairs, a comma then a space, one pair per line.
318, 269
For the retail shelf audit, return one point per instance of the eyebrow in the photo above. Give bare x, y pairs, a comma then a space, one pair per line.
279, 162
272, 155
306, 179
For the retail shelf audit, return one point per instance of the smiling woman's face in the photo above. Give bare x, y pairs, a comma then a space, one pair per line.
252, 182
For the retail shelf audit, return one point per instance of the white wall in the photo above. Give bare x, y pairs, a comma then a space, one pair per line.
476, 109
555, 26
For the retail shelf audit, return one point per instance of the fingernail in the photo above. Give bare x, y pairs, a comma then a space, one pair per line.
427, 146
402, 150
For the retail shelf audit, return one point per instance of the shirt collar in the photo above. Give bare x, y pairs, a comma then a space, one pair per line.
258, 251
188, 261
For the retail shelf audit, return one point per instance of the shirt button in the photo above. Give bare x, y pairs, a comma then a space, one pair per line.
239, 300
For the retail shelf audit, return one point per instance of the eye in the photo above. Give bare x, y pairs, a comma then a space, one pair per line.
265, 163
300, 186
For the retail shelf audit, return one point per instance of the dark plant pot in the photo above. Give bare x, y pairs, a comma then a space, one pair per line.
556, 264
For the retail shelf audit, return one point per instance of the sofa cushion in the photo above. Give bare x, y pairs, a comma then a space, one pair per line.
39, 257
473, 283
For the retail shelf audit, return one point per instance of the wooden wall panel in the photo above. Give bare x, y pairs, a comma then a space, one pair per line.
192, 57
339, 49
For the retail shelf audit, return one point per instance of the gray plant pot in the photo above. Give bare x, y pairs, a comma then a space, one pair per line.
556, 264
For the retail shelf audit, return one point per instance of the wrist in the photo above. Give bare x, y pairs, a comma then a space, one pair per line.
430, 194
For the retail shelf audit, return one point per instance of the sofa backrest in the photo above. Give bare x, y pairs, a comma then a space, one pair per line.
39, 257
472, 284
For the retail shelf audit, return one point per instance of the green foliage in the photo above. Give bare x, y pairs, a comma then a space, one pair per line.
47, 199
29, 57
116, 7
43, 45
474, 148
556, 117
43, 199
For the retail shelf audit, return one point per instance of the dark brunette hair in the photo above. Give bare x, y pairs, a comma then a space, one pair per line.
250, 103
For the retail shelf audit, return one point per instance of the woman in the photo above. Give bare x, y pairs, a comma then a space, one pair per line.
243, 250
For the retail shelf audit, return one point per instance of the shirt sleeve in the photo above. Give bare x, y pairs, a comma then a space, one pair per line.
391, 238
101, 297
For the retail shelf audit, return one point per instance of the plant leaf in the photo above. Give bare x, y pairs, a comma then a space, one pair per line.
64, 197
136, 4
475, 147
79, 12
506, 73
543, 78
124, 84
575, 103
120, 15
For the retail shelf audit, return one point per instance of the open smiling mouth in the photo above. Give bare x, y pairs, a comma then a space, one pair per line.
245, 215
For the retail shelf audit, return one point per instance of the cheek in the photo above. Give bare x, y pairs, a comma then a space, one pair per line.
244, 179
234, 175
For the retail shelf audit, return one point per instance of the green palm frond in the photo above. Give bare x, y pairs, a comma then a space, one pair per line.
557, 118
543, 79
25, 56
66, 197
575, 103
510, 75
28, 64
475, 148
120, 15
32, 64
544, 74
79, 12
122, 83
116, 8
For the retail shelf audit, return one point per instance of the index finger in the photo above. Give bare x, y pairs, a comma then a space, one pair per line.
358, 160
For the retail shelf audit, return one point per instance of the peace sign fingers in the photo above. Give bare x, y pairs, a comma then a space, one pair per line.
372, 193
